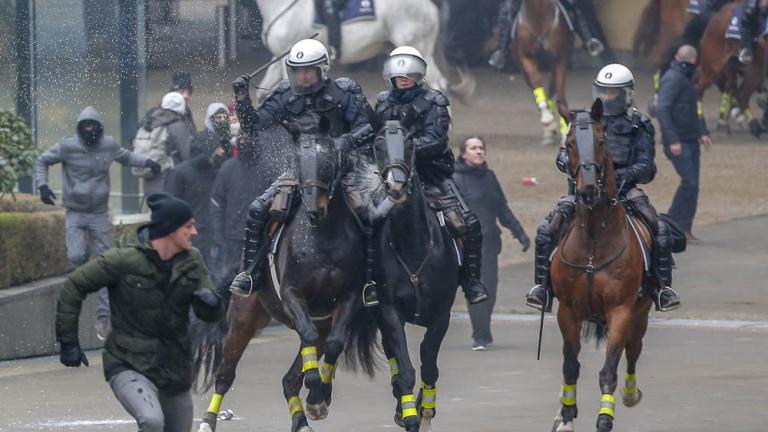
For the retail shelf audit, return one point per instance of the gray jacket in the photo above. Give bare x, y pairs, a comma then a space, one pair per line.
85, 169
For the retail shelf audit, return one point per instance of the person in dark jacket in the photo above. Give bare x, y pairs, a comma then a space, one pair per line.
170, 115
682, 131
193, 180
483, 194
182, 84
86, 158
230, 200
153, 283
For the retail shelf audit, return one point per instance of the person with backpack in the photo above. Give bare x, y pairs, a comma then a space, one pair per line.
86, 158
165, 138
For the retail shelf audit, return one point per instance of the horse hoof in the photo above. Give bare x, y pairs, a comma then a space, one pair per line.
755, 129
209, 423
631, 400
205, 427
426, 424
604, 423
305, 429
399, 420
547, 118
317, 412
563, 427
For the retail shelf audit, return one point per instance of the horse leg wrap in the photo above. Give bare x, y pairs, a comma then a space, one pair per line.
393, 369
408, 402
568, 395
428, 396
607, 405
541, 98
295, 406
725, 106
630, 384
327, 372
699, 109
656, 80
308, 359
215, 405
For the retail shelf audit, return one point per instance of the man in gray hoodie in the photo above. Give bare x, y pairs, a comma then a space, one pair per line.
86, 158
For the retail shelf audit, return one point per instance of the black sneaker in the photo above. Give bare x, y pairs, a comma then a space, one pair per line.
539, 298
667, 300
475, 292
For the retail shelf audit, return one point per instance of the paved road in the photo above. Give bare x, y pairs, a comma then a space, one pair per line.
697, 374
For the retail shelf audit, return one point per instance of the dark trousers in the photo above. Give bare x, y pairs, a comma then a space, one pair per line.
480, 314
683, 207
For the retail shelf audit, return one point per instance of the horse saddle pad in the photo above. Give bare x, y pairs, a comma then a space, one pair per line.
563, 13
734, 28
354, 10
694, 7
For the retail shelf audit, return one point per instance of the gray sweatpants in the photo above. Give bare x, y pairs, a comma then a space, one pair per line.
99, 228
153, 411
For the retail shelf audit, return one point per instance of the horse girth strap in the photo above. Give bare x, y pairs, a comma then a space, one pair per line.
590, 267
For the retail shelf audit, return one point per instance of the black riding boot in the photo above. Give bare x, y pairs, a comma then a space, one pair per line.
665, 298
507, 14
474, 289
581, 26
370, 289
749, 24
258, 216
333, 24
541, 296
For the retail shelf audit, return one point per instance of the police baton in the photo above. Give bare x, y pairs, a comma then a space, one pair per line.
274, 60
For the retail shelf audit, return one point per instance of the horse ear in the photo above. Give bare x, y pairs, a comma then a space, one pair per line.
597, 110
564, 112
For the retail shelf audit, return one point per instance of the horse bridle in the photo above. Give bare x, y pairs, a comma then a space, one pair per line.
593, 173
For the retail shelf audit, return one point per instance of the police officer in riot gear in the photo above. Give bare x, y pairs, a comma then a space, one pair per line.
424, 112
750, 24
307, 90
587, 27
630, 139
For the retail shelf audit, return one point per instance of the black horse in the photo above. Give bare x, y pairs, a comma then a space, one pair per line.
313, 286
418, 269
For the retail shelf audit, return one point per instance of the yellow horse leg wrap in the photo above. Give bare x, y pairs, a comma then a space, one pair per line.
630, 384
215, 405
393, 369
725, 105
295, 406
607, 405
428, 396
564, 127
309, 358
699, 109
748, 115
327, 372
656, 80
408, 403
540, 96
568, 395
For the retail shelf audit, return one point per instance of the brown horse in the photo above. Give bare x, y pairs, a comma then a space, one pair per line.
597, 272
718, 62
542, 37
661, 25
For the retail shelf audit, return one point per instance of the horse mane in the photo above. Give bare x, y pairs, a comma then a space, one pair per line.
366, 176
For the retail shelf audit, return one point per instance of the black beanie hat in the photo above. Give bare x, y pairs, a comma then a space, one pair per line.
181, 81
168, 214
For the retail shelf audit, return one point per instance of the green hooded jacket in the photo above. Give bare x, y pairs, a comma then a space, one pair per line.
150, 303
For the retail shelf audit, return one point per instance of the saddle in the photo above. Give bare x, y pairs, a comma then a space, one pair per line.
734, 28
354, 10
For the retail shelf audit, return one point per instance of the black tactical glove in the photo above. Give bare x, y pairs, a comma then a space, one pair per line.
153, 166
71, 355
623, 176
525, 241
206, 304
362, 135
240, 86
46, 195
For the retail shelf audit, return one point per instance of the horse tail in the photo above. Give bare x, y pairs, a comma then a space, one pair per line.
647, 33
597, 330
207, 341
362, 343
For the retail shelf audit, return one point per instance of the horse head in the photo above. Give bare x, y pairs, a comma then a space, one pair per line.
318, 164
394, 153
589, 163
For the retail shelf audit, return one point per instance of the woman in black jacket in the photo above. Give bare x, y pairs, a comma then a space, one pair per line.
483, 195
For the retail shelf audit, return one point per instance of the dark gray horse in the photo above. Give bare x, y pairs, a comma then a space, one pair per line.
313, 286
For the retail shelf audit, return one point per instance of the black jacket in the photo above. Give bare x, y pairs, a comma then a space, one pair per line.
193, 181
425, 113
239, 183
677, 106
483, 194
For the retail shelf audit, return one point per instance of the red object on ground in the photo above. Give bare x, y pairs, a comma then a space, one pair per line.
529, 181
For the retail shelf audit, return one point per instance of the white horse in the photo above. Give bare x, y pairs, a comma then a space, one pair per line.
398, 22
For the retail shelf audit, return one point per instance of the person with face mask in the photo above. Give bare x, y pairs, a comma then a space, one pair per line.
86, 158
192, 180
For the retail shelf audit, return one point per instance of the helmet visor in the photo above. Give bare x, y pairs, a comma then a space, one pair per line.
404, 66
616, 100
305, 79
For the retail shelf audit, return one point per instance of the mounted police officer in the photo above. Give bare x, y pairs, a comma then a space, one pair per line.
424, 112
750, 25
585, 25
331, 11
308, 89
630, 138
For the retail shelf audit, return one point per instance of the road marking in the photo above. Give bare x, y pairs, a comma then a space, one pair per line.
655, 322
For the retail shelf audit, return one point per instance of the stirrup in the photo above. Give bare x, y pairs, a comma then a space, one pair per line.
594, 47
236, 290
497, 59
534, 302
745, 56
674, 304
370, 302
